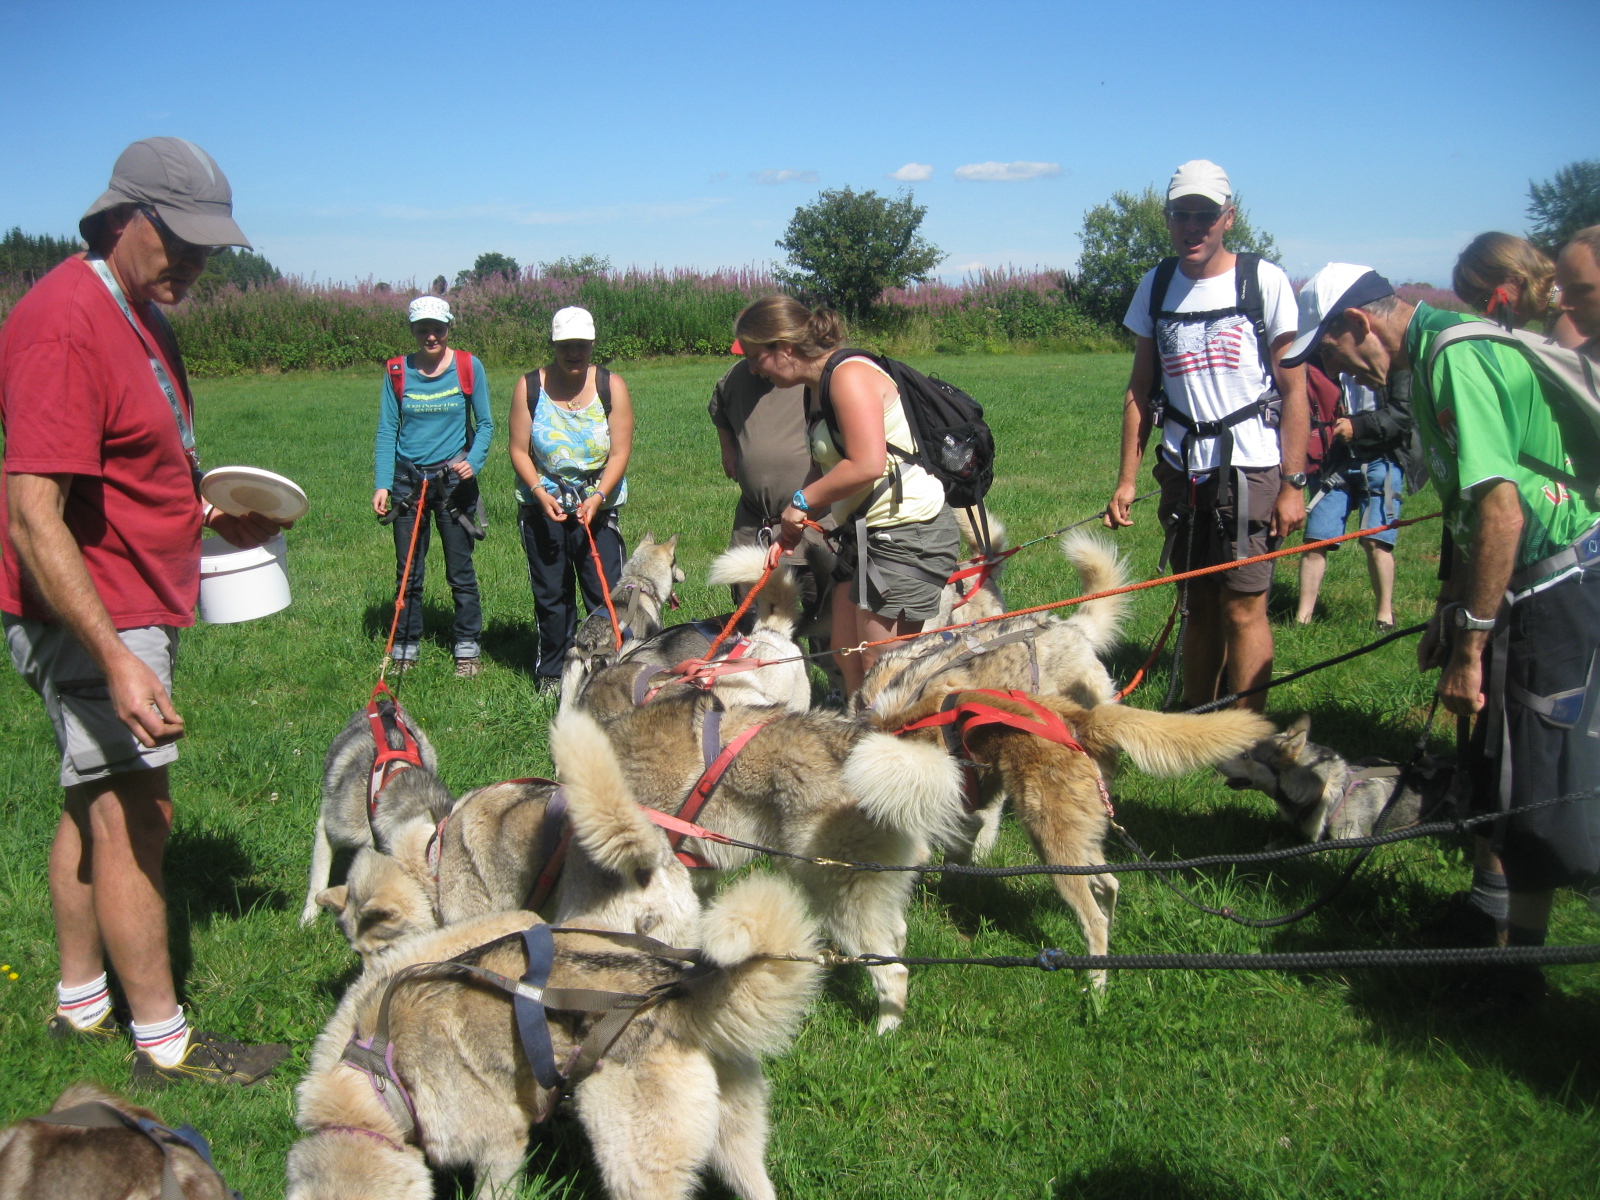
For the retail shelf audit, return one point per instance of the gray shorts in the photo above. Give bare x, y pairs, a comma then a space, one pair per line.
93, 741
911, 561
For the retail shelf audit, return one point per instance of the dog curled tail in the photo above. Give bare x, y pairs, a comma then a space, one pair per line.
754, 1006
777, 604
908, 786
1167, 743
1100, 568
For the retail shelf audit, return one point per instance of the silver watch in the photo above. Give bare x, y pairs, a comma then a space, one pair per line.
1463, 619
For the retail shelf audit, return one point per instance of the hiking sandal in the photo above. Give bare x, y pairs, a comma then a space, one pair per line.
210, 1059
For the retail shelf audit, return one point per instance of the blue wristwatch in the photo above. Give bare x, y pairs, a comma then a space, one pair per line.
799, 501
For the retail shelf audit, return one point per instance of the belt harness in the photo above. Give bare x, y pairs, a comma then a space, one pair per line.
1231, 481
96, 1114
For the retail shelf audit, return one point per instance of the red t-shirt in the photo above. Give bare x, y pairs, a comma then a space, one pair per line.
78, 397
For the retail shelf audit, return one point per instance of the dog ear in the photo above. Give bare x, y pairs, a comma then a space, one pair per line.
333, 899
649, 539
671, 543
1301, 725
373, 916
1293, 740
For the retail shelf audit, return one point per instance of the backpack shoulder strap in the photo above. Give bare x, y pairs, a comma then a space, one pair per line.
464, 372
602, 385
397, 376
1247, 293
1165, 270
824, 385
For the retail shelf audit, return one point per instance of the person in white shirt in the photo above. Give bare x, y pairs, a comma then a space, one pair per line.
1210, 329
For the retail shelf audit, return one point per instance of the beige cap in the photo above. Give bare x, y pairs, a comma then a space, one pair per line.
1200, 177
181, 182
572, 324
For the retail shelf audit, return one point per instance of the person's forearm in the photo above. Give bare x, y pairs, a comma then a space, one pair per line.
522, 463
1294, 424
1482, 581
730, 453
846, 478
1135, 430
54, 565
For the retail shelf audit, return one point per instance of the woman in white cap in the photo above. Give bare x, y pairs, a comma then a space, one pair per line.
433, 424
571, 435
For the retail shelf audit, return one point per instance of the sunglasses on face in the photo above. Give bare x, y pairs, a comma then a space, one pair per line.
176, 247
1204, 217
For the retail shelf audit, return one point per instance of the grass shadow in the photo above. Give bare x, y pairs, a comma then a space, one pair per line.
208, 875
1150, 1179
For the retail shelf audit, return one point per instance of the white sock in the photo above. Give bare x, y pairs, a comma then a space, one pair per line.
85, 1004
165, 1041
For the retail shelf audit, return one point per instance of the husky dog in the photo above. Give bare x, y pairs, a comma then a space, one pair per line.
771, 635
1324, 796
1060, 795
817, 784
984, 601
682, 1088
639, 596
342, 823
40, 1161
1037, 653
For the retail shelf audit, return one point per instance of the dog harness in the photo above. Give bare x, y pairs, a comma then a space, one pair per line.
1359, 775
532, 1000
396, 745
718, 758
97, 1114
703, 673
975, 646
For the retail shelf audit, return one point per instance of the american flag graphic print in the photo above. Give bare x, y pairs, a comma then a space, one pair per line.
1188, 347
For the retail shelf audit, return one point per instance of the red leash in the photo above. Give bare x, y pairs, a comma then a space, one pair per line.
1138, 676
405, 578
605, 586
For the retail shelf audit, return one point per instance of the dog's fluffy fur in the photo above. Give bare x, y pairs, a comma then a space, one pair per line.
342, 821
1307, 780
638, 596
1067, 651
771, 630
680, 1090
63, 1162
815, 784
1055, 790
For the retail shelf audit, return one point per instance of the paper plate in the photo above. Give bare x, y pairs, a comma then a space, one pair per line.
240, 490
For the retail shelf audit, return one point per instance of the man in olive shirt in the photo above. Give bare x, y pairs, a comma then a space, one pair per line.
762, 429
1516, 631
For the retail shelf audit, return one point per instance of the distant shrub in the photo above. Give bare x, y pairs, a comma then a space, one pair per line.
846, 247
488, 267
236, 268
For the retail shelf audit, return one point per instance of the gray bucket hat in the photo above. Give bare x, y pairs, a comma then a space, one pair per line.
181, 182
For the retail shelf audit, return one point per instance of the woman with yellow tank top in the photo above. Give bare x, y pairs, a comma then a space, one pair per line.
898, 539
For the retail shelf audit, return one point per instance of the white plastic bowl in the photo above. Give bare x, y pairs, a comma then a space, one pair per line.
242, 585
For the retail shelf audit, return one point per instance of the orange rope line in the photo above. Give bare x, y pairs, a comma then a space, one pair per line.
421, 515
1138, 676
1148, 583
749, 597
605, 587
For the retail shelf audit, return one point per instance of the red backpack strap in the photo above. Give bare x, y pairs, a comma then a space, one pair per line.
397, 377
464, 372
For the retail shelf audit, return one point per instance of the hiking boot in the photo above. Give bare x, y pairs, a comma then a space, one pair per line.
1462, 925
104, 1030
400, 666
210, 1059
468, 668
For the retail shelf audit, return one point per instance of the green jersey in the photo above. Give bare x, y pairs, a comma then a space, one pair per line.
1484, 418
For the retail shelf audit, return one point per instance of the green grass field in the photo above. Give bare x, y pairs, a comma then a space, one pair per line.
1001, 1083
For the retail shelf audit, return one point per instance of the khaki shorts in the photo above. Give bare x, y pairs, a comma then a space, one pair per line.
1211, 544
93, 741
912, 561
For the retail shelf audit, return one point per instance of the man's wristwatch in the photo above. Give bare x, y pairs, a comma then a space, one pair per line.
1463, 619
799, 501
1298, 479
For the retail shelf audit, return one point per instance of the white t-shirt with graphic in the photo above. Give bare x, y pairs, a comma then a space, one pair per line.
1213, 368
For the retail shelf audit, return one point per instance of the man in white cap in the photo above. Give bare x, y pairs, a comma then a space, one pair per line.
1517, 626
1210, 329
100, 568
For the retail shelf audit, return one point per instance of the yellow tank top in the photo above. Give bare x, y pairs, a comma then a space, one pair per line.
921, 495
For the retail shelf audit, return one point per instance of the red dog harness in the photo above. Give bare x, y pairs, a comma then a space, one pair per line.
717, 763
397, 746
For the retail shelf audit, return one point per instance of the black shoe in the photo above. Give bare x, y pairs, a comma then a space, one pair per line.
1462, 925
104, 1030
210, 1059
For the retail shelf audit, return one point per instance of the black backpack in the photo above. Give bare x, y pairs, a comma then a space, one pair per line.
954, 445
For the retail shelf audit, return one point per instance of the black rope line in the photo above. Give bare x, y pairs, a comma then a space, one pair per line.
1225, 701
1054, 959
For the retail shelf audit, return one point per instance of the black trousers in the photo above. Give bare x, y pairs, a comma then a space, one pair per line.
557, 552
458, 545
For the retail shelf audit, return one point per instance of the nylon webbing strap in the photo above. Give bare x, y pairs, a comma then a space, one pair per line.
554, 836
532, 1028
717, 764
163, 380
97, 1114
387, 722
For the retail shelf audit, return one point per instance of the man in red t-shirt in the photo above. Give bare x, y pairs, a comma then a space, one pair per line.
100, 568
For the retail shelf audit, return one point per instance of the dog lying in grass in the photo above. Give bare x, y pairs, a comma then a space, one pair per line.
43, 1161
639, 596
680, 1090
1322, 795
342, 821
1038, 653
1061, 795
771, 635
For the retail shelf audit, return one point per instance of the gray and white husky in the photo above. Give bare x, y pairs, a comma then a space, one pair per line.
342, 822
1325, 796
639, 596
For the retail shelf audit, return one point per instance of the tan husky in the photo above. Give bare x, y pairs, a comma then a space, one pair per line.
680, 1090
639, 596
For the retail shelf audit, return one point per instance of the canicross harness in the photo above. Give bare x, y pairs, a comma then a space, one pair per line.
397, 747
531, 1001
959, 716
96, 1114
975, 647
650, 680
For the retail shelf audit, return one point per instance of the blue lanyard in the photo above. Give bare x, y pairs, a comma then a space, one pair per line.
163, 380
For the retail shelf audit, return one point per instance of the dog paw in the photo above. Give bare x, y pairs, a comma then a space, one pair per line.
888, 1022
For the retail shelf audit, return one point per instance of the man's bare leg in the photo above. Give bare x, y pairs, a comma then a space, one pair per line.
1249, 640
1380, 567
1313, 565
107, 891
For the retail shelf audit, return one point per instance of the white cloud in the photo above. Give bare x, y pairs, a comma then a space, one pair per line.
999, 172
786, 175
963, 268
912, 172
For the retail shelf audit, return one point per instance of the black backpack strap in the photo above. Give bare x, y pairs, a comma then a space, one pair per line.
602, 385
1247, 291
1165, 270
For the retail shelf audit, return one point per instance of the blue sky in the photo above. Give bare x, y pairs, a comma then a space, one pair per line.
399, 140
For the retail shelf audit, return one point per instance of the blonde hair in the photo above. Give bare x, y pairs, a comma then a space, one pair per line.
784, 319
1493, 259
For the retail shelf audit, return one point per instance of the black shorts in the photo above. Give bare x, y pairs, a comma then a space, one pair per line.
1215, 528
1554, 647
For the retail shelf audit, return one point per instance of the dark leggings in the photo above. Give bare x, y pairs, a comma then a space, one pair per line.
556, 551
